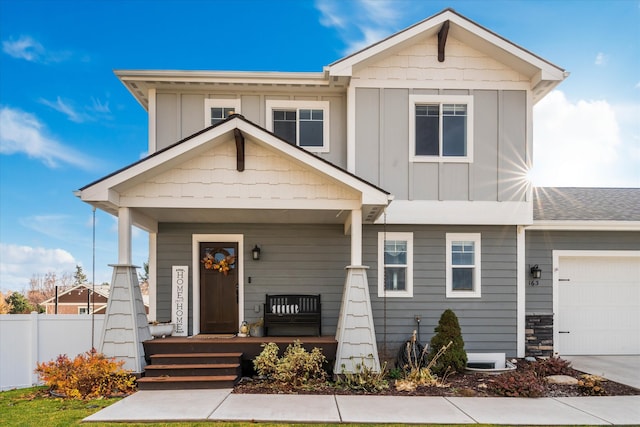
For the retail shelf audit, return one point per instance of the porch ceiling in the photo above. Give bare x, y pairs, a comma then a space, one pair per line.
246, 216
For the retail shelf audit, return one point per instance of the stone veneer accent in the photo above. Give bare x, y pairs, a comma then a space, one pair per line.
539, 335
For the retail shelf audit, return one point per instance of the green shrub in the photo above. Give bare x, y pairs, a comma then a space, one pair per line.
88, 376
455, 358
524, 383
364, 378
297, 367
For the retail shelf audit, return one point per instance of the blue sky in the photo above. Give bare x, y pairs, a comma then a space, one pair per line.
66, 120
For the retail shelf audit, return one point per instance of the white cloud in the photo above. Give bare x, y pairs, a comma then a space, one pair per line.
21, 132
601, 59
31, 50
360, 23
578, 144
66, 109
19, 263
89, 113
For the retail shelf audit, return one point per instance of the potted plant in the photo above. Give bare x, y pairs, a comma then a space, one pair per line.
256, 329
160, 329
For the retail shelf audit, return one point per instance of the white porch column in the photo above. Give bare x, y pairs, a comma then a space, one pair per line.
124, 236
125, 323
356, 237
356, 333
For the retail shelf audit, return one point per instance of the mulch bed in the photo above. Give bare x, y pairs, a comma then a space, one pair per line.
457, 385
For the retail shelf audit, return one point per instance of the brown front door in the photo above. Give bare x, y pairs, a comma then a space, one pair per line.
218, 288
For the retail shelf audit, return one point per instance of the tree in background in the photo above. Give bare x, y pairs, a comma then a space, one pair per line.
42, 288
4, 306
18, 304
79, 278
144, 279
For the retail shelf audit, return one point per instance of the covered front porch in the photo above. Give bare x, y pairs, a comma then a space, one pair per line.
236, 186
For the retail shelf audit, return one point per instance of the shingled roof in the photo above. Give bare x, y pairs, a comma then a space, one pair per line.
586, 204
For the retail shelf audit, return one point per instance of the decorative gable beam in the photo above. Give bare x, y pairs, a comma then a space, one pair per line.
239, 149
442, 40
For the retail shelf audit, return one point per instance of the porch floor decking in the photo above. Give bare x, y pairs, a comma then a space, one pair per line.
250, 347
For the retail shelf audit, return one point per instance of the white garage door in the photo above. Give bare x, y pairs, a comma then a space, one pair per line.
598, 305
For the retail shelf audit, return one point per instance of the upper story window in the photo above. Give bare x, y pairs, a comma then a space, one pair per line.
440, 128
301, 123
395, 264
463, 265
217, 110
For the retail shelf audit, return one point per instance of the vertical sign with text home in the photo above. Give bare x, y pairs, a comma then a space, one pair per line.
180, 299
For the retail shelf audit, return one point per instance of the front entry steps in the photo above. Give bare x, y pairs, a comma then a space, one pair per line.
180, 371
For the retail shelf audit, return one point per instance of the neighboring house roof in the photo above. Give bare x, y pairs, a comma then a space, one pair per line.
543, 74
106, 192
102, 290
587, 206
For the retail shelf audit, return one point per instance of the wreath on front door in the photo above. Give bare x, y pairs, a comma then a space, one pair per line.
221, 264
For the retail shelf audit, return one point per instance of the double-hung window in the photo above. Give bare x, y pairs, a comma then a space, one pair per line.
463, 265
217, 110
395, 264
440, 128
301, 123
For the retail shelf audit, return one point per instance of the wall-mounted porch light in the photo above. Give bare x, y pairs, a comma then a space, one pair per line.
536, 274
255, 253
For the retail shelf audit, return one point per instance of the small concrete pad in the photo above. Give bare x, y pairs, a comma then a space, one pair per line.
518, 411
615, 409
278, 408
400, 409
163, 405
621, 369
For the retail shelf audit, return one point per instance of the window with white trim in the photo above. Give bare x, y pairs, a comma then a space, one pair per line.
440, 128
301, 123
83, 310
395, 264
217, 110
463, 260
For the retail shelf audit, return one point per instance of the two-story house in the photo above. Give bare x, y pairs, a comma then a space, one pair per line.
393, 183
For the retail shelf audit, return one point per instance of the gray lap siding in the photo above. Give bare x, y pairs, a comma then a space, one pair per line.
488, 323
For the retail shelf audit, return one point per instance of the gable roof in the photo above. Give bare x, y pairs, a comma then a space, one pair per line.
574, 206
102, 290
543, 74
105, 192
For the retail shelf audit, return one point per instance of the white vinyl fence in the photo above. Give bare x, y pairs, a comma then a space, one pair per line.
29, 339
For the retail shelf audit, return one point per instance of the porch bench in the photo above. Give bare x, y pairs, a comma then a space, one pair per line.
292, 311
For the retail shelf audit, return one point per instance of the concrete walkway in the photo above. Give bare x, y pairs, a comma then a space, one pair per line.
621, 369
222, 405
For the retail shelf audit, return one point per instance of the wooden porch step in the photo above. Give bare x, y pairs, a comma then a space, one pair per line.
194, 358
192, 369
186, 382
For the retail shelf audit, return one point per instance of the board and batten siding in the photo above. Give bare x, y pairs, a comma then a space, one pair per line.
180, 115
539, 247
295, 259
497, 172
488, 323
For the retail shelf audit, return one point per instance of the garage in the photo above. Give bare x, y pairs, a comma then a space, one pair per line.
597, 302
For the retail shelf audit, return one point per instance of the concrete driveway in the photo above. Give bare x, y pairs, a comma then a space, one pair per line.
621, 369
